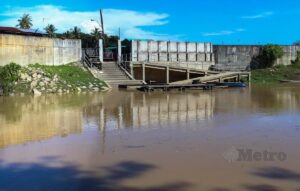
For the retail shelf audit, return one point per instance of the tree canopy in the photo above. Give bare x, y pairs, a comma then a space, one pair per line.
25, 22
269, 54
50, 29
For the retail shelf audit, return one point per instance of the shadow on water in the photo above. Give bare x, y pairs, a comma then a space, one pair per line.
273, 173
277, 173
261, 187
36, 176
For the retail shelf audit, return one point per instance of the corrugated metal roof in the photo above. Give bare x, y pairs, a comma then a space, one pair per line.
13, 30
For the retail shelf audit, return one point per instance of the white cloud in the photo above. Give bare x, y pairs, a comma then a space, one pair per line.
259, 16
130, 22
224, 32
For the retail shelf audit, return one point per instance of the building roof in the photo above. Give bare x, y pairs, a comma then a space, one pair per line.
30, 32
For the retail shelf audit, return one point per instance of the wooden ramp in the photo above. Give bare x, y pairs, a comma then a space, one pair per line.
216, 78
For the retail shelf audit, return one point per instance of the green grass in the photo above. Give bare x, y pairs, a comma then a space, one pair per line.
71, 74
67, 78
274, 74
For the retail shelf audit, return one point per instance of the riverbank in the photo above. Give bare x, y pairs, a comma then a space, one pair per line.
41, 79
276, 74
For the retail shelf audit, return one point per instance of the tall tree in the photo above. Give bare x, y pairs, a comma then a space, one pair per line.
25, 22
76, 32
50, 29
96, 34
66, 34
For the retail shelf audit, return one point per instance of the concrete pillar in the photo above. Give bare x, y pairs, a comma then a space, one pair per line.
188, 74
119, 52
131, 70
101, 49
167, 75
158, 50
148, 51
168, 51
143, 72
186, 52
177, 44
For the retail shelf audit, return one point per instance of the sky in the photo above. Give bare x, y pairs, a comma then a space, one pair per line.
218, 21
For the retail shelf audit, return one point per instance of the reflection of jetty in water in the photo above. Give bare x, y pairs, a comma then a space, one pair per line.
140, 109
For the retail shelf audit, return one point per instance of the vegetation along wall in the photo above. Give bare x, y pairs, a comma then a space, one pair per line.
26, 50
242, 57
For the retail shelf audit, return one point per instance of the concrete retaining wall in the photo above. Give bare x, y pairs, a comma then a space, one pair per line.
26, 50
240, 57
165, 51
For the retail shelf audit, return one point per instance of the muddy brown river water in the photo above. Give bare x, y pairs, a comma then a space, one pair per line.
220, 140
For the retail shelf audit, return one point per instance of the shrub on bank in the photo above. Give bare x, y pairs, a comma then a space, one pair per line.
297, 61
268, 56
9, 74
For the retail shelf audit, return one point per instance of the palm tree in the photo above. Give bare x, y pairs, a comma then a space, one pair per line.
76, 32
96, 33
50, 29
25, 22
67, 34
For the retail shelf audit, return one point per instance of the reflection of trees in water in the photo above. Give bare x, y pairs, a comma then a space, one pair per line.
39, 118
257, 99
12, 108
276, 98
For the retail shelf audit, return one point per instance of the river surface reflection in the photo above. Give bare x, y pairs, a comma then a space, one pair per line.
129, 140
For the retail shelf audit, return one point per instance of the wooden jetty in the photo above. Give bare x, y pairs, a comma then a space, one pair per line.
217, 78
166, 87
208, 82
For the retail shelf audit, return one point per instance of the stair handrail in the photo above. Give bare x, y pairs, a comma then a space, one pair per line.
87, 60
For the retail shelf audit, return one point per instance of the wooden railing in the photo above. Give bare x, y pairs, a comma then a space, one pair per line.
91, 61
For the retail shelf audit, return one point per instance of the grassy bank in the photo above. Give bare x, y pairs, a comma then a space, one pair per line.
276, 73
41, 79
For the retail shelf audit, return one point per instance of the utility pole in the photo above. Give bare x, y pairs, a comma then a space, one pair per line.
102, 24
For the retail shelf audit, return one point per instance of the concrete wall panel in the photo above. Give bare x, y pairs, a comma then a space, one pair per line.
182, 57
153, 46
153, 57
143, 46
192, 57
26, 50
182, 47
134, 51
173, 57
163, 46
173, 47
163, 57
201, 57
200, 47
143, 57
191, 47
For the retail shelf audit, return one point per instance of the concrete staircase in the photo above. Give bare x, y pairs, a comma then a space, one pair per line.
113, 75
